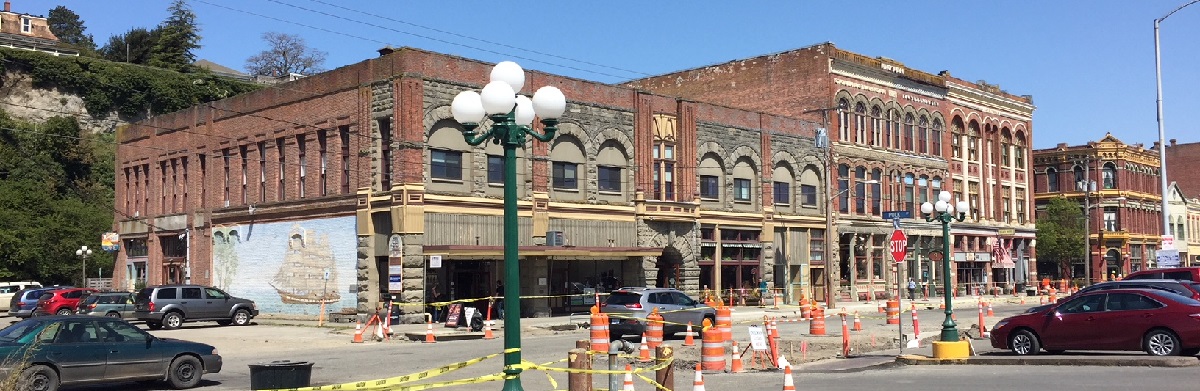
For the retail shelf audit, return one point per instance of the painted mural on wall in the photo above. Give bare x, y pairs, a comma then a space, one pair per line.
288, 267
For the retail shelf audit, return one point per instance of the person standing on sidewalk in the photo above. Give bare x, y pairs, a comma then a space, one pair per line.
912, 289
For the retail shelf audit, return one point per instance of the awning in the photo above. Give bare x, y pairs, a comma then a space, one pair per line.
542, 251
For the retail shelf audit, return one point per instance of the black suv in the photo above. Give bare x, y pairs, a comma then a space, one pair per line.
168, 306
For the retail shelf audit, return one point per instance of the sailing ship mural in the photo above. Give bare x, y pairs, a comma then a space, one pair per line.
307, 267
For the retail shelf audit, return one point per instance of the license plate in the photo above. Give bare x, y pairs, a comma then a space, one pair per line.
615, 321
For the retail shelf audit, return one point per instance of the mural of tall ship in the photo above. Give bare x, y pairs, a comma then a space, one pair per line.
307, 268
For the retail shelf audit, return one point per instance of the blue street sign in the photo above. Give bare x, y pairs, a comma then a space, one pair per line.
897, 214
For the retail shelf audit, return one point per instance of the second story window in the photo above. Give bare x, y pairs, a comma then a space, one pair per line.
26, 25
495, 169
608, 178
1051, 180
709, 187
782, 192
664, 171
1109, 173
808, 195
565, 175
1110, 219
445, 164
741, 189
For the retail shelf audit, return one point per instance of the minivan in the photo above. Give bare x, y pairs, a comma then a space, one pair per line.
168, 306
25, 301
7, 289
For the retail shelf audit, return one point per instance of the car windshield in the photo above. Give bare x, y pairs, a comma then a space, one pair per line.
623, 298
1178, 298
20, 329
144, 294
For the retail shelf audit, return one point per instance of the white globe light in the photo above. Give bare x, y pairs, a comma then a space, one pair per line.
944, 196
963, 206
549, 102
498, 98
510, 73
523, 114
927, 208
467, 108
941, 206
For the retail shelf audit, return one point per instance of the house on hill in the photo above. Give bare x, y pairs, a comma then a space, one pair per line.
29, 32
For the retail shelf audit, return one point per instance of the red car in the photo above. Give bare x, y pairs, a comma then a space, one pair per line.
60, 302
1161, 323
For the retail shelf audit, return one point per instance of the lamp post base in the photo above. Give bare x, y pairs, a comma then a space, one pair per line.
951, 350
512, 380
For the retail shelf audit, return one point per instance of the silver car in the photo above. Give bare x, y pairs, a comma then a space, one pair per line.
110, 304
628, 308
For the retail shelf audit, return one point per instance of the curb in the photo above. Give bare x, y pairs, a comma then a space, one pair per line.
1123, 361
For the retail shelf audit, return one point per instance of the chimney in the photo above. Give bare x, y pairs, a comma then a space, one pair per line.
7, 6
1172, 142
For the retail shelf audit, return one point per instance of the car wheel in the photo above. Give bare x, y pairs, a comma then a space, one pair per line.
241, 317
172, 320
1024, 343
1161, 343
113, 315
39, 378
185, 372
63, 311
154, 325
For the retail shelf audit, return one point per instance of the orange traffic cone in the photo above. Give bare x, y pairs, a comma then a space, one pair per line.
429, 338
487, 331
857, 322
880, 307
689, 340
357, 332
1022, 300
788, 383
628, 378
644, 351
698, 384
736, 366
989, 309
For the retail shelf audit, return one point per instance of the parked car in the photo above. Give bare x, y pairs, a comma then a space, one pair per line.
1173, 273
628, 308
1159, 322
1182, 287
70, 350
168, 306
7, 289
25, 301
110, 304
60, 301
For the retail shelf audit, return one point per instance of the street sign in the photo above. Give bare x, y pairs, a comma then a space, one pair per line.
1168, 242
899, 245
1006, 231
897, 214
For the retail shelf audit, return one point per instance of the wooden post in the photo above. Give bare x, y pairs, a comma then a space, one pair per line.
584, 344
666, 375
579, 359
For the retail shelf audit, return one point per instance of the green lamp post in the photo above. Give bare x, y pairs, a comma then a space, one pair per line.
946, 213
512, 118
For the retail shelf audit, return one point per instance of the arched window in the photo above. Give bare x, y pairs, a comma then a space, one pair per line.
860, 190
923, 134
1080, 179
1109, 174
844, 188
1051, 180
935, 135
1005, 148
876, 126
876, 197
908, 131
712, 174
860, 123
781, 188
973, 142
956, 134
895, 128
1019, 151
843, 120
909, 202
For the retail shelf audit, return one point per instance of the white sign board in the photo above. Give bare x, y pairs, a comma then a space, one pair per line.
435, 261
758, 338
1167, 258
1168, 242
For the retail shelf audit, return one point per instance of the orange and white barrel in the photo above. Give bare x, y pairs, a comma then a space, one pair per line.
654, 329
712, 348
817, 326
893, 311
725, 323
599, 333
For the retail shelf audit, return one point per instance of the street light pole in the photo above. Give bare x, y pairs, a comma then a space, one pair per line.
512, 118
83, 252
946, 213
1162, 142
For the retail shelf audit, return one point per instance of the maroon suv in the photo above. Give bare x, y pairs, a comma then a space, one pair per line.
60, 302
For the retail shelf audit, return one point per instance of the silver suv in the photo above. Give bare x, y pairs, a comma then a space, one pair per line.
168, 306
628, 308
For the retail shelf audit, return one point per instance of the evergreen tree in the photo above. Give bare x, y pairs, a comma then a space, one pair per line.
66, 25
180, 36
135, 46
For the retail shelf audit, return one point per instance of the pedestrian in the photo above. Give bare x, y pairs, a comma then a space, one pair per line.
499, 298
912, 289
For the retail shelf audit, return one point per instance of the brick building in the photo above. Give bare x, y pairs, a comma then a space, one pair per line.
899, 136
356, 185
1120, 185
1185, 227
29, 32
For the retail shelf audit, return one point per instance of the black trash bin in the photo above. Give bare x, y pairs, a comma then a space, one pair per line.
280, 374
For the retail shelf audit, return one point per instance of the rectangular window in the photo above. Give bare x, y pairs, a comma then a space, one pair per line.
445, 164
245, 173
1110, 219
174, 185
663, 174
973, 148
495, 169
262, 171
1004, 157
26, 25
782, 193
322, 145
128, 187
808, 195
203, 179
184, 166
609, 178
163, 207
385, 153
709, 187
741, 189
302, 145
564, 175
344, 138
936, 138
1019, 152
955, 147
282, 152
225, 156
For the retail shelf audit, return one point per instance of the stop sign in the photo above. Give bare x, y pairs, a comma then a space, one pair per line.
898, 245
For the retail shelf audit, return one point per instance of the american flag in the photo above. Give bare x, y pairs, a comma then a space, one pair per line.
1002, 253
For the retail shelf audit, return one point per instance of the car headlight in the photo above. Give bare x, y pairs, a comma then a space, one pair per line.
1000, 324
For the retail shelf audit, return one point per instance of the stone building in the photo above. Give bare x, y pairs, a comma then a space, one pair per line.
899, 136
1117, 185
356, 186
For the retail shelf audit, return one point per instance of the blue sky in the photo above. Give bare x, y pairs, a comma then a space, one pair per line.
1089, 65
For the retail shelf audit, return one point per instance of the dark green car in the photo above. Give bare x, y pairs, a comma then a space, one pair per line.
75, 349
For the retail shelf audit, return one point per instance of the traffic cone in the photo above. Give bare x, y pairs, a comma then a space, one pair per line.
357, 332
736, 359
644, 351
487, 331
857, 322
689, 340
1022, 300
698, 384
989, 309
429, 338
788, 383
628, 378
880, 307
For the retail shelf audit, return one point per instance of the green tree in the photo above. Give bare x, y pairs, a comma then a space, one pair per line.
1060, 234
66, 25
285, 54
179, 38
132, 47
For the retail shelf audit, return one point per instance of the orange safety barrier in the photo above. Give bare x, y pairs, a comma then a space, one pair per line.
698, 384
805, 309
989, 309
788, 383
689, 340
735, 360
725, 323
857, 322
429, 338
916, 325
358, 330
712, 348
599, 331
845, 336
893, 311
982, 329
628, 386
654, 329
817, 326
644, 351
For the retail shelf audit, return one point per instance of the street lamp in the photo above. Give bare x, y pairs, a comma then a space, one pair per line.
1162, 142
946, 212
83, 252
512, 118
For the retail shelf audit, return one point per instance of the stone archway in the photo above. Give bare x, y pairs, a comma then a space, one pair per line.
670, 268
1112, 263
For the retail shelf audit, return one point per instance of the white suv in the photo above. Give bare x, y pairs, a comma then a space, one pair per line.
7, 289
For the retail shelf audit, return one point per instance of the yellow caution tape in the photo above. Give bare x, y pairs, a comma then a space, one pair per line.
375, 384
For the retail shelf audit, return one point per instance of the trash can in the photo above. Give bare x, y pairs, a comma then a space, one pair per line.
280, 374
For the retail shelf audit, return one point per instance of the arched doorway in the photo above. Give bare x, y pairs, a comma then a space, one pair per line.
1112, 263
670, 268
